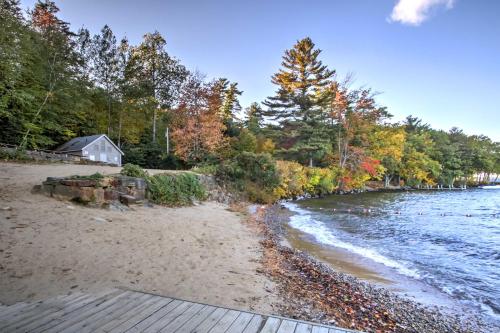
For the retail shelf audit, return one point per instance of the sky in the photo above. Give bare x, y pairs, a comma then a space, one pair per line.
438, 60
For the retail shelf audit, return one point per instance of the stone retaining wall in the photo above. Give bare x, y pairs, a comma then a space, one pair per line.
98, 192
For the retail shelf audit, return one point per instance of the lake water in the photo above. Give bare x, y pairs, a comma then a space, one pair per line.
446, 240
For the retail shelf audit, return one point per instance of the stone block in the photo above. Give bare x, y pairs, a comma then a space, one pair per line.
86, 194
128, 199
99, 195
79, 182
125, 181
63, 192
111, 195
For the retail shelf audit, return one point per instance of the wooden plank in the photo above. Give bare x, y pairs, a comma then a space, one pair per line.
150, 320
14, 308
303, 328
255, 324
183, 318
196, 320
320, 329
226, 321
339, 330
138, 316
287, 326
39, 323
52, 306
240, 323
25, 306
164, 321
125, 313
90, 324
207, 324
84, 312
271, 326
27, 315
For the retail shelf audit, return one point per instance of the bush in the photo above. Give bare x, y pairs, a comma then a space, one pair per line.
297, 180
13, 155
205, 169
255, 174
133, 170
175, 190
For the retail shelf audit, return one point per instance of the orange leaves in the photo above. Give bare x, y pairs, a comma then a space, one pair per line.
199, 127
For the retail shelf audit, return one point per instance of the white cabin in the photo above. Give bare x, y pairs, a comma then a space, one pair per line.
98, 148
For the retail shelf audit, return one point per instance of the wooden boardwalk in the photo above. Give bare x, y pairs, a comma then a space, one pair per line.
130, 311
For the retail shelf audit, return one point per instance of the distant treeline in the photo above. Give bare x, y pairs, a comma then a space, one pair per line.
56, 84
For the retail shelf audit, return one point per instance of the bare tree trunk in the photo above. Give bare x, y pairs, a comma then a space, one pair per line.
109, 114
120, 128
154, 126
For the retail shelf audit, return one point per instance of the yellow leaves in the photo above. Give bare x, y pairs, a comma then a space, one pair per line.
388, 142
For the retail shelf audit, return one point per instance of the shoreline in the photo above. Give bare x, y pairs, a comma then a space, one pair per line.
315, 291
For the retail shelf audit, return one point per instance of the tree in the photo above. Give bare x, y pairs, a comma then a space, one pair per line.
105, 59
254, 118
299, 80
199, 128
297, 102
157, 75
58, 104
387, 145
354, 114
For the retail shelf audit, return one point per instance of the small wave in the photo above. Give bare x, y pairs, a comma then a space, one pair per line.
303, 221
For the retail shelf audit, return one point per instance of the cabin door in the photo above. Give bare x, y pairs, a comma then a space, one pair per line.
102, 157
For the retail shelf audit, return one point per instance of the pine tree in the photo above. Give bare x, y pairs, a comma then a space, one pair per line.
254, 118
298, 100
299, 81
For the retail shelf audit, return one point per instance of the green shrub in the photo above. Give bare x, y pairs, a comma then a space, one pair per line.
13, 155
133, 170
255, 174
205, 169
175, 190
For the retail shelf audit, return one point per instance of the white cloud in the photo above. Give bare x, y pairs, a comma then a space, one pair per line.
414, 12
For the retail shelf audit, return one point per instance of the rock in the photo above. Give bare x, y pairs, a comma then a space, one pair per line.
128, 199
99, 195
111, 195
36, 189
86, 194
63, 192
79, 182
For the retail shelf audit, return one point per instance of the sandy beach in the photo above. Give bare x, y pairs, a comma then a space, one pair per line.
204, 253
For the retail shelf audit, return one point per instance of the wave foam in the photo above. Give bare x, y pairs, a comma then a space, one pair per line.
303, 221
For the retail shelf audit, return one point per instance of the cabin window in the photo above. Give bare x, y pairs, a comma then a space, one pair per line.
103, 146
96, 147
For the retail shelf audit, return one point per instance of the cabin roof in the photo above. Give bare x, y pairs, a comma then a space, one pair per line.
79, 143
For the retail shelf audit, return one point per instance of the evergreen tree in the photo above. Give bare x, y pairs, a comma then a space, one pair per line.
299, 81
254, 118
298, 100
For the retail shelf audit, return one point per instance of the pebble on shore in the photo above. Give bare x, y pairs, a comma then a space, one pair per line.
313, 291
